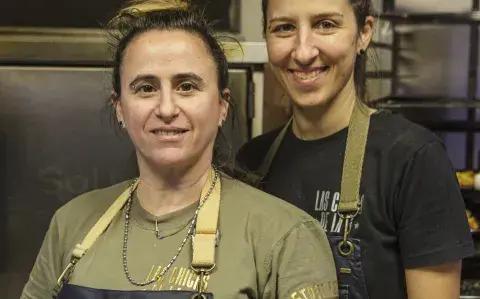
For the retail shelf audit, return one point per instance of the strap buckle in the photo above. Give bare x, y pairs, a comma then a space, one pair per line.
201, 271
65, 276
217, 237
345, 246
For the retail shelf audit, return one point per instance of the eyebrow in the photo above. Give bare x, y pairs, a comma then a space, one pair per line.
153, 78
144, 77
189, 76
316, 16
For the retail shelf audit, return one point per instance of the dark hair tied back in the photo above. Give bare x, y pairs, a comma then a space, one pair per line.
140, 16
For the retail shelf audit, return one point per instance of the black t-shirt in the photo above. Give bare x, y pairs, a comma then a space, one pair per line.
413, 214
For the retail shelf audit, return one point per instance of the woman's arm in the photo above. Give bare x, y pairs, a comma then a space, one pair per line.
433, 231
440, 282
301, 265
43, 278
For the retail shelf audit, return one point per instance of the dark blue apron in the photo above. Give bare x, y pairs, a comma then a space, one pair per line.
351, 280
347, 251
70, 291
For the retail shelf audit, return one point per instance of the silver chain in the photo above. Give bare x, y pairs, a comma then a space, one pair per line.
189, 233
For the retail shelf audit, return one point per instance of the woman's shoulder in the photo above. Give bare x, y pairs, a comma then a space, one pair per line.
86, 208
391, 132
273, 230
247, 201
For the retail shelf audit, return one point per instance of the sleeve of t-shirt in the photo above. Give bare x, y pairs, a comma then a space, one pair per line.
301, 265
430, 211
43, 276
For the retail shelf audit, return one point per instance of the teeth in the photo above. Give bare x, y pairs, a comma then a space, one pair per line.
168, 133
306, 75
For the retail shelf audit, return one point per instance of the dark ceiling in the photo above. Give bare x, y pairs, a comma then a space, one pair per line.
85, 13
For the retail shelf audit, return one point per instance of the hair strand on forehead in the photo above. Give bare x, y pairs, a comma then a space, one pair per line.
155, 5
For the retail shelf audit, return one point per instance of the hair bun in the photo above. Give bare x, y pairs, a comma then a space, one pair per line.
155, 5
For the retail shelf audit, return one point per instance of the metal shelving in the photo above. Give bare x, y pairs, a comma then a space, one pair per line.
470, 103
438, 18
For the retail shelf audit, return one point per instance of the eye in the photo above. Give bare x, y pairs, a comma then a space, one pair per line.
325, 25
186, 87
147, 88
283, 28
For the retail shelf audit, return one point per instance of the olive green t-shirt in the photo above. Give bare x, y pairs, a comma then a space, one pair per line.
267, 248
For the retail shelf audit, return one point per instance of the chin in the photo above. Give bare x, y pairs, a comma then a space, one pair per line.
311, 96
167, 158
310, 100
169, 161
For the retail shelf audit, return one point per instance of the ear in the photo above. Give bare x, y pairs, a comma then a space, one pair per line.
117, 105
224, 103
366, 34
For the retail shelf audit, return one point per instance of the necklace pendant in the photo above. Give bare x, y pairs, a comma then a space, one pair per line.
158, 235
157, 231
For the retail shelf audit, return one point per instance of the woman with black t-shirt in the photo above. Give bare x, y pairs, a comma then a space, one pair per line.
388, 198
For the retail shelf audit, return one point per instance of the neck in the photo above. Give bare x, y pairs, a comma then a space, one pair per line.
310, 123
163, 192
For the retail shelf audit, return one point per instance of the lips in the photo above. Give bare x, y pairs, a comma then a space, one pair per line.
308, 74
169, 132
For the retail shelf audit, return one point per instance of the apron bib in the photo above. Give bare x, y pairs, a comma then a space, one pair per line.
204, 242
346, 250
70, 291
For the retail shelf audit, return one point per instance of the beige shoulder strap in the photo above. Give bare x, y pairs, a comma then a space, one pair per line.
93, 234
102, 224
353, 161
205, 239
265, 166
261, 172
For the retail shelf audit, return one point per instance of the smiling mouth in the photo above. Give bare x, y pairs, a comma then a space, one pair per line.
169, 132
308, 75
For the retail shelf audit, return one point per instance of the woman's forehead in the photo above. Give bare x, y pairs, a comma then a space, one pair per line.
288, 8
167, 51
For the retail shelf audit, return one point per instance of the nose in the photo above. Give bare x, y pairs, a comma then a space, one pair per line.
305, 51
166, 108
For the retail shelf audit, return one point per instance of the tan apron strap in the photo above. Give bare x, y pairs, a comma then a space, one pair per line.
265, 166
205, 239
103, 223
93, 234
262, 171
353, 161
